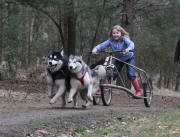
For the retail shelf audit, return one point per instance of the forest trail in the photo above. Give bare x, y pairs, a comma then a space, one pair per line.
19, 114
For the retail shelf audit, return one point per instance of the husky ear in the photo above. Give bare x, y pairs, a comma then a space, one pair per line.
81, 57
62, 53
71, 56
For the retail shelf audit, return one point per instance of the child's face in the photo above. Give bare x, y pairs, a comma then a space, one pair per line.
116, 34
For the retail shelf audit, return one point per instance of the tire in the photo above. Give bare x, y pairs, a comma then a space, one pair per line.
107, 91
148, 93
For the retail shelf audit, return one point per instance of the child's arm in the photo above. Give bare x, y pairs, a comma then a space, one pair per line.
101, 46
130, 44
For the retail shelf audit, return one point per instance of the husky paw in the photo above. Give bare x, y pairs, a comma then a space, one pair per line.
90, 98
70, 100
84, 106
52, 102
75, 107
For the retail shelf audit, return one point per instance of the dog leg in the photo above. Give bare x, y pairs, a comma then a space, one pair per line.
71, 94
75, 101
88, 103
64, 99
49, 85
89, 94
60, 91
50, 90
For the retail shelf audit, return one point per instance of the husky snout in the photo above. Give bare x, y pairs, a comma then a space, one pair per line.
71, 67
50, 63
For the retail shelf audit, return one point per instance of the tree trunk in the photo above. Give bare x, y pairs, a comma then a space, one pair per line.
127, 23
100, 19
69, 28
168, 82
59, 34
159, 80
177, 82
165, 81
31, 26
1, 37
128, 15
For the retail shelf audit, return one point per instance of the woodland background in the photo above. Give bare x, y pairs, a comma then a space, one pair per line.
29, 29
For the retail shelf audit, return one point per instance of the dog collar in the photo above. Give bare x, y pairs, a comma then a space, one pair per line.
81, 79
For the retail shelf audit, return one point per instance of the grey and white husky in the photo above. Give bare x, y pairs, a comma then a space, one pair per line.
57, 76
83, 79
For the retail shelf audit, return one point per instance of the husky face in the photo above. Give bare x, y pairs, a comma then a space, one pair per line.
55, 61
75, 64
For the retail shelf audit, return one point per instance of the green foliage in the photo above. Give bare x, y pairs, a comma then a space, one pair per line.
156, 29
87, 21
12, 59
174, 32
157, 39
79, 129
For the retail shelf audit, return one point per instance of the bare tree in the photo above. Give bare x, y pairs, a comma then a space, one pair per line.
1, 36
100, 19
128, 16
69, 27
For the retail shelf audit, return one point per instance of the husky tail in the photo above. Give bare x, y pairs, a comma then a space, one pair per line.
101, 71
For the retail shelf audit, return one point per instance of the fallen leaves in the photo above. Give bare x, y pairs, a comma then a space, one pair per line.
176, 131
165, 126
41, 132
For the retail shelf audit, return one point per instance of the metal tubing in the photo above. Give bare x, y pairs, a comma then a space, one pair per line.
123, 88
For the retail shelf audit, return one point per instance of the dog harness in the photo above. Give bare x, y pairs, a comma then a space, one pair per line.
81, 79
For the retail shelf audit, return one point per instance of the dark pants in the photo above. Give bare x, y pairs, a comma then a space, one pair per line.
130, 70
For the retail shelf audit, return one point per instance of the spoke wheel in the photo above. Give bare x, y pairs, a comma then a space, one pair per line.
96, 99
148, 93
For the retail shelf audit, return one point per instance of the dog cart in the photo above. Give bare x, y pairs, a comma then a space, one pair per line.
107, 86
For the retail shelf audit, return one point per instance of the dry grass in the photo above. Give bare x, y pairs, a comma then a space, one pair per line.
166, 92
20, 96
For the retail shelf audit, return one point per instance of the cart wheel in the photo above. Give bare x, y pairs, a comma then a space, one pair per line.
148, 93
96, 100
106, 92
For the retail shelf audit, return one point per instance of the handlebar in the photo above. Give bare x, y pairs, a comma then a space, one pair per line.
120, 51
111, 52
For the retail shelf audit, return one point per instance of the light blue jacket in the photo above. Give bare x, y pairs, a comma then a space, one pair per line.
118, 45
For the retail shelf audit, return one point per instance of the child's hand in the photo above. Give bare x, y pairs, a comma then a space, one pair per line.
94, 51
127, 50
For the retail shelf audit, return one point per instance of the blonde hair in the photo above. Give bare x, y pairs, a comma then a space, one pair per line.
119, 28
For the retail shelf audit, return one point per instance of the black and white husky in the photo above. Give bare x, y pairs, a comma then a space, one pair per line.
57, 76
83, 79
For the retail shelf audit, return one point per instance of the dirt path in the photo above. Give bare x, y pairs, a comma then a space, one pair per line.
18, 118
